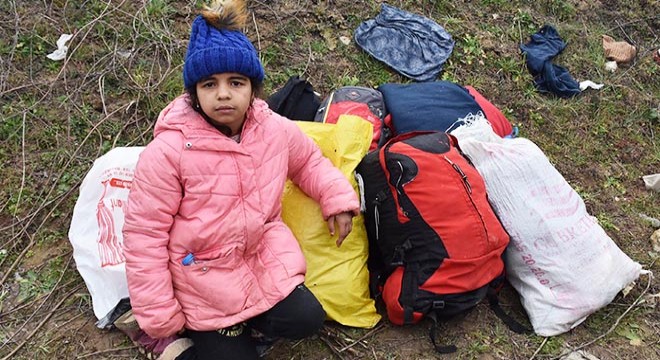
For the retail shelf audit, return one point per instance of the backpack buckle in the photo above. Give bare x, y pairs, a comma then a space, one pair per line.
400, 253
438, 304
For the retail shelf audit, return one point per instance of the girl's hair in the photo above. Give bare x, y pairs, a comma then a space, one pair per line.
257, 92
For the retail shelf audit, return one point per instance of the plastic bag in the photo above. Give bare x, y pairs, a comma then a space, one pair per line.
95, 231
338, 277
561, 262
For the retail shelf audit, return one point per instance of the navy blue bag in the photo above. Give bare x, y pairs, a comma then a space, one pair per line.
428, 106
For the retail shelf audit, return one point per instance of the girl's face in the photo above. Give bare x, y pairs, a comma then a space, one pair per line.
225, 98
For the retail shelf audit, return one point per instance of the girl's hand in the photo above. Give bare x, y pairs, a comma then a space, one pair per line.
344, 224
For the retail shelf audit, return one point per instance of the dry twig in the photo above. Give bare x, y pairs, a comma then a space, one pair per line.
108, 351
326, 340
41, 323
616, 323
371, 332
545, 340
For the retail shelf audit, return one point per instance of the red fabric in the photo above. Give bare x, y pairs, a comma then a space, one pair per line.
450, 196
391, 293
388, 123
464, 215
457, 276
498, 121
357, 109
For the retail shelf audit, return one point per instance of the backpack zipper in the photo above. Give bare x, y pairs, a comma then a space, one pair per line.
398, 189
377, 202
468, 187
398, 181
377, 220
464, 177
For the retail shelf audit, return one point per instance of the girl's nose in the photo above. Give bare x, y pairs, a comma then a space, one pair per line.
223, 92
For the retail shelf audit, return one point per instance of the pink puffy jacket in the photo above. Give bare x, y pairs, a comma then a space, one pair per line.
198, 191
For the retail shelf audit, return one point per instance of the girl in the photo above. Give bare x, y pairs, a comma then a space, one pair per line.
206, 249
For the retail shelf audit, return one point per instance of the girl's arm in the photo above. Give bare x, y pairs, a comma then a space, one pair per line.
153, 201
317, 176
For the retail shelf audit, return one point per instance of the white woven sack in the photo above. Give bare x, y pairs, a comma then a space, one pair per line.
95, 231
560, 260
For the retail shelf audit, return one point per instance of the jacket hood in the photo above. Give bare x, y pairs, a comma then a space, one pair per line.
179, 115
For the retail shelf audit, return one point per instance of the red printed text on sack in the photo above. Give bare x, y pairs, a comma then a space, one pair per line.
110, 214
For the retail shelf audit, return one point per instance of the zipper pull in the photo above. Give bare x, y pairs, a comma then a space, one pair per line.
377, 220
398, 181
462, 174
189, 259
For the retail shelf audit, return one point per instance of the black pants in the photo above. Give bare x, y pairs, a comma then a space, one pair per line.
297, 316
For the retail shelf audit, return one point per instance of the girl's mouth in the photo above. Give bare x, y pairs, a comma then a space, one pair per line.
224, 109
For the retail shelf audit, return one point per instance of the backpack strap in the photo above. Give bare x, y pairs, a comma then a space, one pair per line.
494, 303
408, 291
442, 349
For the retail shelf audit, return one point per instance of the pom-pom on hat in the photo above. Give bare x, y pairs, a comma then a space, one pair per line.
218, 45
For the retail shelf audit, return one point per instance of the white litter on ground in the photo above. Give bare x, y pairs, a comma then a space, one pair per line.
60, 53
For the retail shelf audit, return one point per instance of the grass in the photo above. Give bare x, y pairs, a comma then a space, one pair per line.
124, 66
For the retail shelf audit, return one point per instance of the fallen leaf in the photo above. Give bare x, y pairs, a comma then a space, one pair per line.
627, 289
655, 240
636, 342
651, 300
611, 66
345, 40
580, 355
330, 40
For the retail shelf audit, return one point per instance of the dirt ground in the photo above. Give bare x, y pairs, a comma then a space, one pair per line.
126, 66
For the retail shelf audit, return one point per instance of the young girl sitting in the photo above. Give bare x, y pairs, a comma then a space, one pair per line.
206, 250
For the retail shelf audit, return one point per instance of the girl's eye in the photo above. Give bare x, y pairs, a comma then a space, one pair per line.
237, 83
207, 84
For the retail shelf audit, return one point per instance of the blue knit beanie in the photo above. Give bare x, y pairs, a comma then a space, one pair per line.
212, 51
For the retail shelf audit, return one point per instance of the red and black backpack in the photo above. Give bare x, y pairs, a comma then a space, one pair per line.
434, 239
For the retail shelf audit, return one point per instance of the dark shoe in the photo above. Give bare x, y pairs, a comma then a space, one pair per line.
264, 343
154, 349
